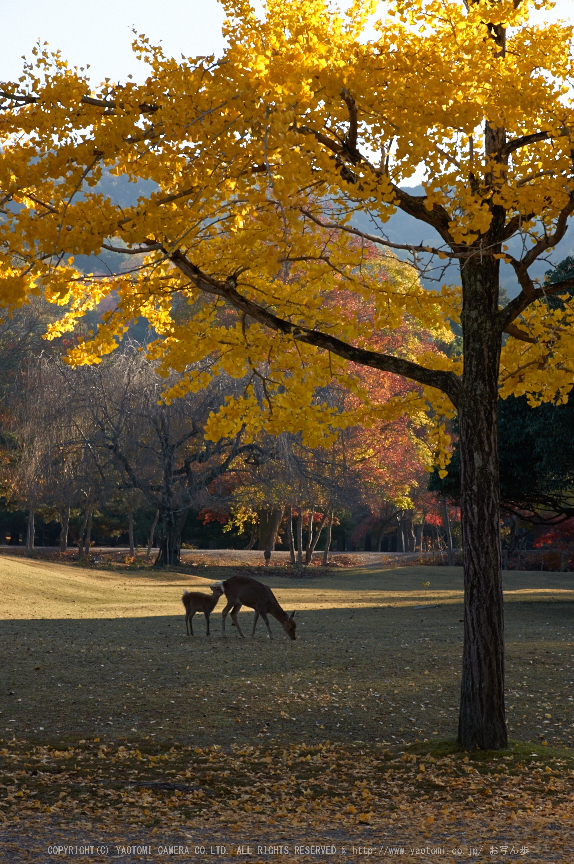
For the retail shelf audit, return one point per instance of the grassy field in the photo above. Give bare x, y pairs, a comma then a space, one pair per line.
100, 659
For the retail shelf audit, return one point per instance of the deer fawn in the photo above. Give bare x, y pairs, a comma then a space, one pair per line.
244, 591
196, 602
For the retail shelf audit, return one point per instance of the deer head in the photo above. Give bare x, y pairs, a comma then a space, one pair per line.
289, 625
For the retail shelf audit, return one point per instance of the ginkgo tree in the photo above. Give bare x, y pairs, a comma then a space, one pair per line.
260, 160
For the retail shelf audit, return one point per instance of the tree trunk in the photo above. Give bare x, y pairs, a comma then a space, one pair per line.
131, 531
446, 526
151, 535
290, 539
170, 540
313, 546
482, 722
400, 535
88, 541
328, 538
419, 528
408, 533
310, 535
30, 531
269, 522
273, 528
253, 538
300, 538
64, 523
83, 532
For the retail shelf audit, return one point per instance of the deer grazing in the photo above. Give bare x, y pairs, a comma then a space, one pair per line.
244, 591
196, 602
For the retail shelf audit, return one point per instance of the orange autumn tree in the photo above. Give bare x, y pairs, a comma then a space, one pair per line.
260, 161
388, 457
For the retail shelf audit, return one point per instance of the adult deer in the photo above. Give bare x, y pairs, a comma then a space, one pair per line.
244, 591
196, 602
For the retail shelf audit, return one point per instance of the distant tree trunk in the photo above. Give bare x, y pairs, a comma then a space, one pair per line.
269, 522
408, 533
446, 526
290, 539
328, 538
151, 534
419, 528
131, 530
64, 523
83, 532
88, 542
310, 535
253, 538
311, 548
30, 532
300, 538
171, 528
400, 535
272, 526
438, 541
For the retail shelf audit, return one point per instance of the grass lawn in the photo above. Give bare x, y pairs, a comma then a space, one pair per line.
116, 725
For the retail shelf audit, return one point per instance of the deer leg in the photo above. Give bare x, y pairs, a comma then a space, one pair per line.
223, 616
264, 616
255, 618
191, 614
207, 622
187, 623
234, 612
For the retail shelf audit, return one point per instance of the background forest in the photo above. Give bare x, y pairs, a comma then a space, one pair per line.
95, 456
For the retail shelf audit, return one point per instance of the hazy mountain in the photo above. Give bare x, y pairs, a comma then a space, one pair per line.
402, 228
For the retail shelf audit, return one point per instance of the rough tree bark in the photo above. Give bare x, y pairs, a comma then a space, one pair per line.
482, 722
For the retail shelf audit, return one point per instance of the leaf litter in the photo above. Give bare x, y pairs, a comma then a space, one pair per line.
126, 733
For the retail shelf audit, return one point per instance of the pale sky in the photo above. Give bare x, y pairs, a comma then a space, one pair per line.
100, 32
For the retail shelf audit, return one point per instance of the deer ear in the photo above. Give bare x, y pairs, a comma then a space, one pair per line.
291, 616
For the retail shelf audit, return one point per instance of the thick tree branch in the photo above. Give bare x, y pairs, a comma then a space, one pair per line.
447, 382
140, 250
517, 333
26, 99
351, 137
414, 205
551, 240
516, 306
523, 141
